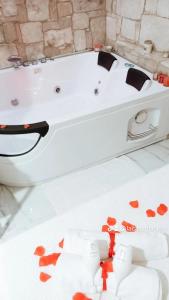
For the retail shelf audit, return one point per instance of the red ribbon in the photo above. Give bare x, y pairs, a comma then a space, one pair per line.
112, 243
107, 266
112, 235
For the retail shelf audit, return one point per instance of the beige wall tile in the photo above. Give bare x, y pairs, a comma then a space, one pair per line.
38, 10
31, 32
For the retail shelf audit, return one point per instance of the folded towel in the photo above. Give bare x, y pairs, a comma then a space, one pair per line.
136, 78
141, 284
106, 60
146, 246
73, 275
79, 244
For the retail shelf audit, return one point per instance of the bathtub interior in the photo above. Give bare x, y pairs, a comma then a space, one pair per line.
65, 88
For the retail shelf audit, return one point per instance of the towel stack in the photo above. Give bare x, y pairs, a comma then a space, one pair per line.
85, 265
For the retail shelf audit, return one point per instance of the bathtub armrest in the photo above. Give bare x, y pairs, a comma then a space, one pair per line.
41, 128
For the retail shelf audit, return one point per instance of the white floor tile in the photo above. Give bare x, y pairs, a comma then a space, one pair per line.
35, 209
82, 186
146, 160
19, 224
41, 203
159, 152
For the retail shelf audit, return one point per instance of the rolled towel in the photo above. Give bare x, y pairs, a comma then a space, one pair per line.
141, 284
146, 246
79, 244
78, 241
73, 275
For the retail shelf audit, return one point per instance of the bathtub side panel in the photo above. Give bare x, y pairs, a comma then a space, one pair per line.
82, 144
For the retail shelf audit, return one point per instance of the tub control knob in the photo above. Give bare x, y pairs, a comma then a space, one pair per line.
141, 117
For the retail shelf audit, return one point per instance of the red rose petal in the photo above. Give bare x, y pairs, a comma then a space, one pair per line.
61, 243
150, 213
80, 296
111, 221
49, 259
162, 209
44, 277
134, 203
128, 226
39, 251
105, 228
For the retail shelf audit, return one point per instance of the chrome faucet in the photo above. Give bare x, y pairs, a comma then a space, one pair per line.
16, 60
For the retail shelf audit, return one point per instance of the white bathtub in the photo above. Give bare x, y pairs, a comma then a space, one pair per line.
78, 127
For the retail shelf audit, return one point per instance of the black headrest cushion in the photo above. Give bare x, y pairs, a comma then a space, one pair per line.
136, 78
106, 60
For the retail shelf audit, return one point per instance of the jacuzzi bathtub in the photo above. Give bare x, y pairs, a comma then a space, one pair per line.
79, 114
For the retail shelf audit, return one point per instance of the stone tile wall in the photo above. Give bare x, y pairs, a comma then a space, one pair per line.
37, 28
131, 22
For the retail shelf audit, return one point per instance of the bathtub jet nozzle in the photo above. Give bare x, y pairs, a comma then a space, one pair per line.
96, 91
58, 89
14, 102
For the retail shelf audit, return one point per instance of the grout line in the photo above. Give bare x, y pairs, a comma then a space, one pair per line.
137, 163
155, 155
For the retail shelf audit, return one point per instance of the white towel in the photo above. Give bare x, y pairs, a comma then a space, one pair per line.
141, 284
88, 249
73, 275
146, 246
79, 242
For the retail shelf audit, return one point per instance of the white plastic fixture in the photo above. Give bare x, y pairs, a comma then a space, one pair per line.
93, 117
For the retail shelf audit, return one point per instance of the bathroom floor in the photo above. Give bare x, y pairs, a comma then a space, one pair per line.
23, 208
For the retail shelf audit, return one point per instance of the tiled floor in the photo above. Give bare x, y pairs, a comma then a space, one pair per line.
32, 206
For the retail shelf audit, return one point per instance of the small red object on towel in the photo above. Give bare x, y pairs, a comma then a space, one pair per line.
49, 260
162, 209
80, 296
39, 251
111, 221
112, 235
150, 213
107, 266
134, 203
44, 277
61, 243
129, 227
